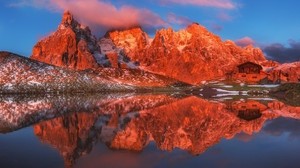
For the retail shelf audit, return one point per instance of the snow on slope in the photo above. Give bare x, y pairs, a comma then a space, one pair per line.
19, 75
23, 75
108, 47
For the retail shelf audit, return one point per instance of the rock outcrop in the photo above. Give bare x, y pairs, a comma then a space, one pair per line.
288, 72
72, 46
133, 41
191, 55
122, 46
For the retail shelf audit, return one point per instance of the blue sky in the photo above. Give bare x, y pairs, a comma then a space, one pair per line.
265, 22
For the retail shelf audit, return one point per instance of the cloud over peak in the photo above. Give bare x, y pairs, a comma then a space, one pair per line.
101, 14
245, 41
106, 15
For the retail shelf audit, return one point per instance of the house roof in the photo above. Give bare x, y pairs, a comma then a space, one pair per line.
251, 63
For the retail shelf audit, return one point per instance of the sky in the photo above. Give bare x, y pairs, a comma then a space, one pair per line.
272, 25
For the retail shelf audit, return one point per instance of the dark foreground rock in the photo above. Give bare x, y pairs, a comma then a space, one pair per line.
288, 92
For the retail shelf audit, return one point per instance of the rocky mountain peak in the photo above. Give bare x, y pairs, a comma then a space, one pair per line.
72, 46
194, 54
67, 18
130, 39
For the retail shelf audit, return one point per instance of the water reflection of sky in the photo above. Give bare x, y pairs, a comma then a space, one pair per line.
23, 149
263, 149
163, 131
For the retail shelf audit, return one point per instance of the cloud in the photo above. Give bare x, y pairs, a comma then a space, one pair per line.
216, 27
224, 4
282, 126
101, 14
281, 53
179, 20
32, 3
224, 16
245, 41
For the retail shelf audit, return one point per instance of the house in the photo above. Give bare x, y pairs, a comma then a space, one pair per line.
249, 68
249, 72
249, 110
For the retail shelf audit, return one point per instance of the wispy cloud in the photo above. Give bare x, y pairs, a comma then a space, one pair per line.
224, 4
216, 27
31, 3
245, 41
100, 13
223, 16
172, 18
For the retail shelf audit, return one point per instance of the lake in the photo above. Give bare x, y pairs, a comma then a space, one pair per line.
147, 130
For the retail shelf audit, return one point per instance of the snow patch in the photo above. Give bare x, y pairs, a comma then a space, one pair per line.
224, 93
8, 86
264, 86
263, 98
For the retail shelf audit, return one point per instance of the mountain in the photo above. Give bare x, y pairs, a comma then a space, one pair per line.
24, 75
191, 55
187, 55
288, 72
72, 46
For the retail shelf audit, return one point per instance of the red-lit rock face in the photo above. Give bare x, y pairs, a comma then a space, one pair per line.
289, 72
132, 41
71, 46
191, 55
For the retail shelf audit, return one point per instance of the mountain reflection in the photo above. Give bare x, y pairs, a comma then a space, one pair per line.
75, 124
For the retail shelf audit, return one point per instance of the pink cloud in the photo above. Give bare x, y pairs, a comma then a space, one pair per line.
225, 4
216, 27
224, 16
101, 14
179, 20
245, 41
107, 15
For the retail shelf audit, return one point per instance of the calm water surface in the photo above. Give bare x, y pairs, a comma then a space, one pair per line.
150, 130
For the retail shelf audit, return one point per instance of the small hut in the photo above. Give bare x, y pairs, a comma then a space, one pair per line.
248, 72
250, 68
249, 114
249, 110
